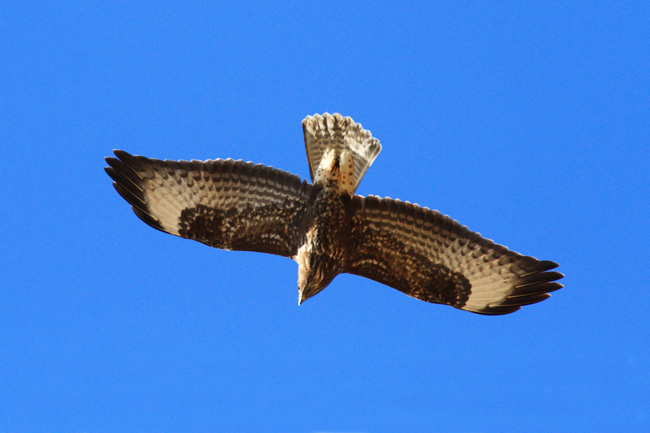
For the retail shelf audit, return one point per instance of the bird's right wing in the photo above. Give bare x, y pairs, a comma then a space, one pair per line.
431, 257
226, 204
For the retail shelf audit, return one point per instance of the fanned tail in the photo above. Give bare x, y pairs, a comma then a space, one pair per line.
332, 138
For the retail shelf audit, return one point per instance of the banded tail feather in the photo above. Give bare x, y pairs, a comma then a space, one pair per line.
334, 138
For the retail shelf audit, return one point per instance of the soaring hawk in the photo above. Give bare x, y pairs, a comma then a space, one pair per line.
326, 228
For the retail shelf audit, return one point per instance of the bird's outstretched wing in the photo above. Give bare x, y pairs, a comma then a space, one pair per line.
226, 204
431, 257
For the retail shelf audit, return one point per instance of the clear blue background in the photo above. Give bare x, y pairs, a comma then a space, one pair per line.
527, 122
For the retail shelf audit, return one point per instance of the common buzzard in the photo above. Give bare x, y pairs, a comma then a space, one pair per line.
326, 228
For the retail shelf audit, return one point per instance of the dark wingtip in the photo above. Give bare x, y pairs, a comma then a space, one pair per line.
526, 300
128, 183
531, 288
547, 265
498, 310
537, 278
151, 221
535, 289
535, 286
128, 195
122, 154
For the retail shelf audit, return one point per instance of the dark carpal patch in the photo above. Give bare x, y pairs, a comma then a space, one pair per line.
204, 224
446, 287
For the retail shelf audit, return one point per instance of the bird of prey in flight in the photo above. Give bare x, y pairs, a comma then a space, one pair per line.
326, 228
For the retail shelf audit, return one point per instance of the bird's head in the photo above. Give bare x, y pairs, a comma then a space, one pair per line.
312, 283
313, 276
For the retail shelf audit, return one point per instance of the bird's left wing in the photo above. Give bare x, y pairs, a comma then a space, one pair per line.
431, 257
226, 204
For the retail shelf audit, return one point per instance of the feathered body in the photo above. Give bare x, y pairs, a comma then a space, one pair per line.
339, 153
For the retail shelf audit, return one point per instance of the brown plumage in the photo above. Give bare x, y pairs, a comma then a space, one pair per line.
326, 228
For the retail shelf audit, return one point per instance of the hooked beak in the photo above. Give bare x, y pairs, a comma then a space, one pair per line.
302, 297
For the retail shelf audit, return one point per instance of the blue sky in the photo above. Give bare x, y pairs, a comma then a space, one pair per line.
526, 121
